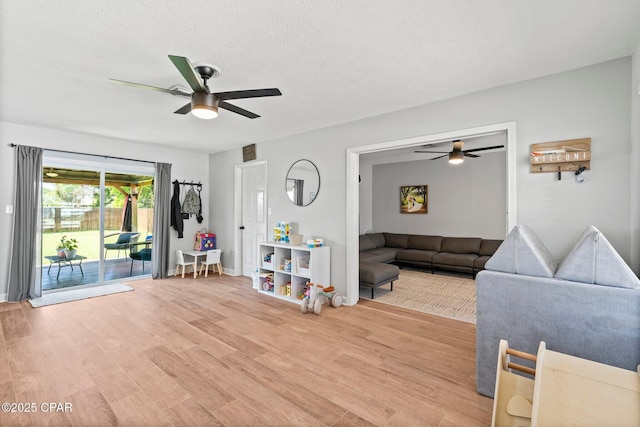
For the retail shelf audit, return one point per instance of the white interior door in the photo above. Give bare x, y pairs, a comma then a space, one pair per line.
254, 215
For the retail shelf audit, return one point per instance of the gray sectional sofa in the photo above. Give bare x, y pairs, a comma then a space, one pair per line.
460, 254
588, 306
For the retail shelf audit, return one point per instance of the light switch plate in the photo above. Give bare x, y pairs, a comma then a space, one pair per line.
9, 209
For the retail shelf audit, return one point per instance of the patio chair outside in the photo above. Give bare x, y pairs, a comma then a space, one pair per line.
141, 255
123, 243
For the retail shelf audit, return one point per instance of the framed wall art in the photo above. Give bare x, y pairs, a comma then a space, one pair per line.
413, 199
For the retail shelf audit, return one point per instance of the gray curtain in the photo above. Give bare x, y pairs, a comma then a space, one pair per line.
299, 191
23, 283
161, 221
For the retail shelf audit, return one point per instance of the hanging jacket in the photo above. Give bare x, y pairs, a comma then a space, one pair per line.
176, 210
199, 217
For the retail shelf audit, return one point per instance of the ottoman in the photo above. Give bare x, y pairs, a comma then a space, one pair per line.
374, 274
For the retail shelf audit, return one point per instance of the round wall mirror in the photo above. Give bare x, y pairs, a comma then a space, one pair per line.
303, 182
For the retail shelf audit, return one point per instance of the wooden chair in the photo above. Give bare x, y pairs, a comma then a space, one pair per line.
181, 263
213, 258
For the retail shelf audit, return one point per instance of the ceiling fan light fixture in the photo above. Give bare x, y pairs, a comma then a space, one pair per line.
456, 157
204, 106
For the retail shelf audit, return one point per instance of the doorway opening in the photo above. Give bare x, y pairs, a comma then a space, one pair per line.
353, 172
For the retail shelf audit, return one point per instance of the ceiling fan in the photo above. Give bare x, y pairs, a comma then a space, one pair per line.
204, 104
457, 155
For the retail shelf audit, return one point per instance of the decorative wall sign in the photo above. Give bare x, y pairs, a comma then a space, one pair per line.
561, 156
413, 199
249, 152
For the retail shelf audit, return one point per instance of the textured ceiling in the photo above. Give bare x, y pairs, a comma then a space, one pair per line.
334, 61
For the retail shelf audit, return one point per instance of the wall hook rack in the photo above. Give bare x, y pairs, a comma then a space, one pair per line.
561, 156
193, 184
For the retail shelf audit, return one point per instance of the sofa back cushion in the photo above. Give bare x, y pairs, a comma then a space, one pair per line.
461, 245
377, 239
393, 240
425, 243
522, 252
489, 247
366, 243
594, 260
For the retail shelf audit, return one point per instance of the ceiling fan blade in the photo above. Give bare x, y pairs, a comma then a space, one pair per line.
237, 110
189, 73
469, 154
253, 93
439, 157
184, 109
482, 149
158, 89
422, 151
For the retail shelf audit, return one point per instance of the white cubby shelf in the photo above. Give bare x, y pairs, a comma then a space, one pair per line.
306, 265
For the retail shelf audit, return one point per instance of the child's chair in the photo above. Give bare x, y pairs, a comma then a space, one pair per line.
180, 262
213, 258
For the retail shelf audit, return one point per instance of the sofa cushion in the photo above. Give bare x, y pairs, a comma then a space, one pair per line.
489, 247
414, 255
461, 245
379, 255
377, 239
600, 323
374, 274
594, 260
366, 243
480, 262
425, 243
450, 259
522, 252
393, 240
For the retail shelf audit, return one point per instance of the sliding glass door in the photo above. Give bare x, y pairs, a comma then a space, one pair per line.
96, 221
128, 223
70, 227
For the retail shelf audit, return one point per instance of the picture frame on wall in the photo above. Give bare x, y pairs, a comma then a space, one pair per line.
414, 199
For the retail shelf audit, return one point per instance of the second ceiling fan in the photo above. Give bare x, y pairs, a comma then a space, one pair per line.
457, 155
204, 103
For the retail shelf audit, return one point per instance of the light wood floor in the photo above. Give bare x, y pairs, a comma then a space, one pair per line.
215, 352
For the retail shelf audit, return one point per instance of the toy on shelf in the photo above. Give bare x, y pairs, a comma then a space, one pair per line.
266, 282
302, 291
317, 295
267, 261
285, 289
315, 243
281, 232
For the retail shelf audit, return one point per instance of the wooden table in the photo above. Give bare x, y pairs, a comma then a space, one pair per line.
63, 261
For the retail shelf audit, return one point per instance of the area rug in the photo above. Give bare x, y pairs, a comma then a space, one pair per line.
78, 294
446, 296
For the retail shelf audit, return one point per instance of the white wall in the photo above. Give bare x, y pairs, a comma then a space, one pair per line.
365, 189
466, 200
222, 202
186, 165
588, 102
635, 159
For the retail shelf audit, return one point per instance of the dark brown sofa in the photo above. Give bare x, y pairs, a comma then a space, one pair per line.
460, 254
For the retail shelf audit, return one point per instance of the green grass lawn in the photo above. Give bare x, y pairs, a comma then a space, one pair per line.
89, 244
